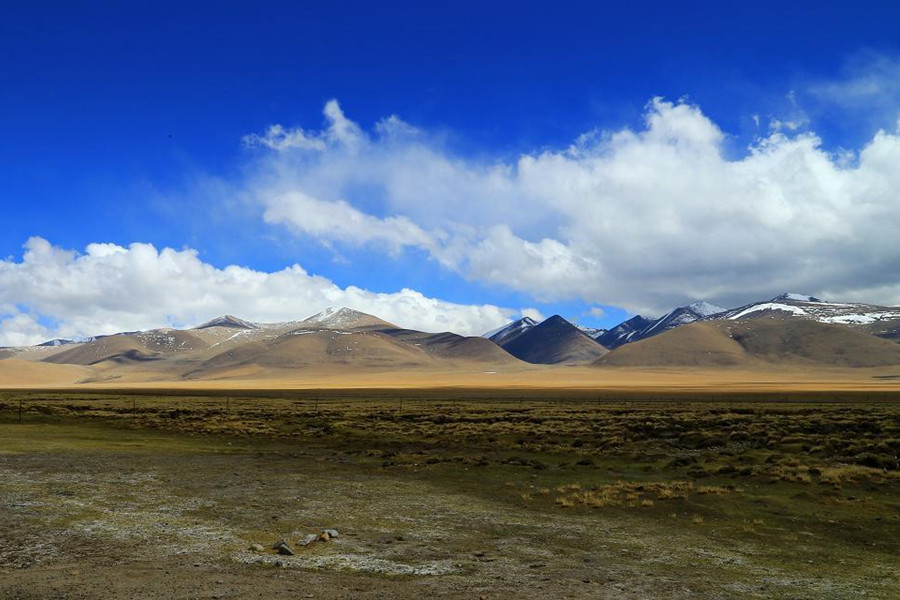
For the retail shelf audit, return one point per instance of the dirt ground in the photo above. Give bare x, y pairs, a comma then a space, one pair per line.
108, 502
125, 526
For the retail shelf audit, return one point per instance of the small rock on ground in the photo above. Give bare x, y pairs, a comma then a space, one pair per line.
283, 548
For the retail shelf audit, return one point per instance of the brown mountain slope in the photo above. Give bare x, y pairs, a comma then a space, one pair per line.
698, 344
170, 341
130, 347
887, 329
453, 346
758, 341
837, 345
345, 319
119, 348
304, 349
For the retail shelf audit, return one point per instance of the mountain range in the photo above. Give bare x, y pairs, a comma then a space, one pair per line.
787, 329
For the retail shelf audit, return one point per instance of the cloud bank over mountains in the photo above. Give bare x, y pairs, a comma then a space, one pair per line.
52, 292
644, 219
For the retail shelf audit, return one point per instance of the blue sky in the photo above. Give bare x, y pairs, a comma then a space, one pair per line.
127, 123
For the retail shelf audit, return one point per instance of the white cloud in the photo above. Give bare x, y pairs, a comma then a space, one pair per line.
339, 130
869, 80
19, 329
338, 220
644, 219
277, 137
596, 311
111, 288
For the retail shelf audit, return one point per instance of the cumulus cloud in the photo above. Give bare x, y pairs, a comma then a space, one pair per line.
644, 218
110, 288
21, 329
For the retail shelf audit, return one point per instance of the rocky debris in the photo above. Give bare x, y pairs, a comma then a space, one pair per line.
326, 535
256, 548
283, 548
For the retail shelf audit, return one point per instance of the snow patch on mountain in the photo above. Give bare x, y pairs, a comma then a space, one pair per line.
860, 319
768, 306
592, 332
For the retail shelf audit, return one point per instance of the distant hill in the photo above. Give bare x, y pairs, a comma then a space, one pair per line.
625, 332
789, 329
345, 319
228, 321
452, 346
119, 348
801, 306
640, 328
755, 341
882, 321
305, 349
340, 338
554, 341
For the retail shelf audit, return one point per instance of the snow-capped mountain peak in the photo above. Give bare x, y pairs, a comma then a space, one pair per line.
342, 317
704, 308
228, 321
57, 342
510, 331
639, 328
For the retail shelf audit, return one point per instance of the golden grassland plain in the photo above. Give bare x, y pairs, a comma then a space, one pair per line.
463, 493
22, 374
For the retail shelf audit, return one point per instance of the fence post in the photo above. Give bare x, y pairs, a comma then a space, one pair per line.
20, 411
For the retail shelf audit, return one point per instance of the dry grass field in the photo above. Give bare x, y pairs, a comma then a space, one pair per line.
468, 492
